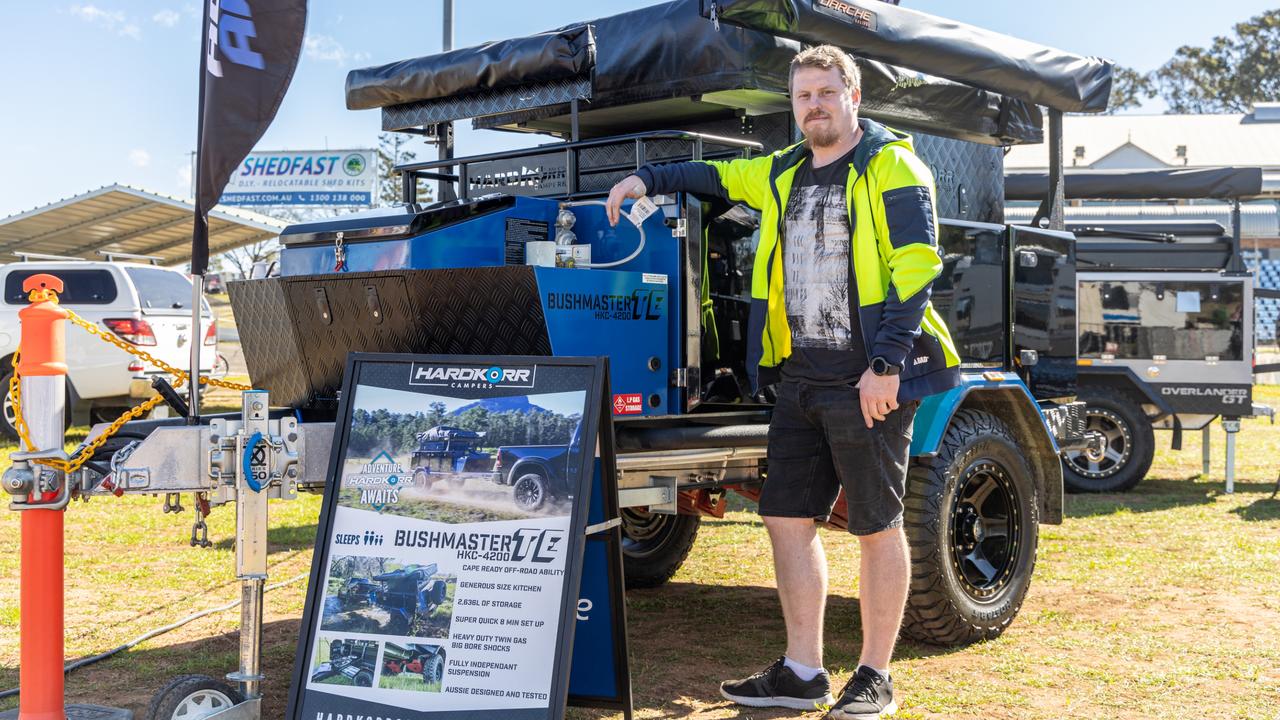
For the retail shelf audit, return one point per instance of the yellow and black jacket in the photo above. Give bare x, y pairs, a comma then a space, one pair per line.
894, 250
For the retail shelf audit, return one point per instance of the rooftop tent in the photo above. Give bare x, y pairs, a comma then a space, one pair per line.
681, 71
981, 58
1221, 183
1185, 248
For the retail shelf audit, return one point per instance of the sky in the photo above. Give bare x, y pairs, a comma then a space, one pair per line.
104, 91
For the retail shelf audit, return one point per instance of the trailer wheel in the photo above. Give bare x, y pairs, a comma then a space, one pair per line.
655, 545
192, 697
422, 478
433, 669
972, 527
364, 678
530, 491
1127, 448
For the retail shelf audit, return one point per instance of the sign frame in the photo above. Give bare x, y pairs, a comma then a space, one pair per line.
575, 542
611, 538
313, 193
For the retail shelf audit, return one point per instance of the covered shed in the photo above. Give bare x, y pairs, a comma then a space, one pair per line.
127, 220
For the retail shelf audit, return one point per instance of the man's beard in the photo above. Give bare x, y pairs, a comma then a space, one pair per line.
823, 135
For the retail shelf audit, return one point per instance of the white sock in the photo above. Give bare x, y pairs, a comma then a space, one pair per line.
883, 672
804, 672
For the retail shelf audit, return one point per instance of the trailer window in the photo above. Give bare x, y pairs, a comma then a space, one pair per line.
971, 292
1179, 320
80, 287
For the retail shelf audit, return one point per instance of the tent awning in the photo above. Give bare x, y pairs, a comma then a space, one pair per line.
1173, 183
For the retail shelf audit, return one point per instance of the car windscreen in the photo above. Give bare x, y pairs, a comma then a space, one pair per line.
80, 287
160, 289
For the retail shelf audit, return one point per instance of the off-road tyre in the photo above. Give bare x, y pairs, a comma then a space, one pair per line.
364, 678
1130, 445
196, 696
655, 545
530, 490
422, 479
433, 669
954, 503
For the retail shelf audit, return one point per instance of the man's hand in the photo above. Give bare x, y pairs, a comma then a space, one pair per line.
878, 395
631, 187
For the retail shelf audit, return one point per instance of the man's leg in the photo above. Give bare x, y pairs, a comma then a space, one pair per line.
801, 485
800, 565
884, 580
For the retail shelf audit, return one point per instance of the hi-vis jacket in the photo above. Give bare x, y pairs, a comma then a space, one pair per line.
893, 253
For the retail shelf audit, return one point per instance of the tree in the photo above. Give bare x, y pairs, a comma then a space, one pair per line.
1232, 74
1128, 89
243, 258
393, 149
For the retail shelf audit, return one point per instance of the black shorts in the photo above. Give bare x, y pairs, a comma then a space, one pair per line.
819, 442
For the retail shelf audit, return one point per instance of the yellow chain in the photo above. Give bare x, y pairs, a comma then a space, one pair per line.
69, 466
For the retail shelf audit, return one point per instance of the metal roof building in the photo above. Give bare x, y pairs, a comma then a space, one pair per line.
1257, 220
1132, 142
123, 219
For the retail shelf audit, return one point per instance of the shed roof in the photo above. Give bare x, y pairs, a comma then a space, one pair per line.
124, 219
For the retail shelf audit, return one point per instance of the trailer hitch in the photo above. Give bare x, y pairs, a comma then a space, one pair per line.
26, 479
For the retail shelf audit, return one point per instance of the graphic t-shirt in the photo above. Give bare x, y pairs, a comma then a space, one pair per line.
826, 337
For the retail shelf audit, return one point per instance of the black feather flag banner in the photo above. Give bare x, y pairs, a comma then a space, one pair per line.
250, 49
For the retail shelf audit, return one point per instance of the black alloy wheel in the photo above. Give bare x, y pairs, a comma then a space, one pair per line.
985, 527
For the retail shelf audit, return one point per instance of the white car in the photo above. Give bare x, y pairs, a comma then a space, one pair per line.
147, 306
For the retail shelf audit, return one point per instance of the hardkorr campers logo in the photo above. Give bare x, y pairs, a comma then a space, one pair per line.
379, 481
471, 376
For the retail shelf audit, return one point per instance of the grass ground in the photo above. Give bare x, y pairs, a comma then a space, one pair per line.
1160, 603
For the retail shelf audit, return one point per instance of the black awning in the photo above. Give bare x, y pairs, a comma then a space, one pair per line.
1172, 184
678, 55
946, 48
541, 58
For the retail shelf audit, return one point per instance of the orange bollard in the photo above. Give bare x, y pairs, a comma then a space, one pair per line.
43, 362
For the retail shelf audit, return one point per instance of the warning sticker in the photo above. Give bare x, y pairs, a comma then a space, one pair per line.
627, 404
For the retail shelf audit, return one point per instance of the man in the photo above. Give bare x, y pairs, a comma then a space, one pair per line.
840, 289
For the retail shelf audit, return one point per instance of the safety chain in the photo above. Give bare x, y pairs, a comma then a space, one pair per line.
87, 451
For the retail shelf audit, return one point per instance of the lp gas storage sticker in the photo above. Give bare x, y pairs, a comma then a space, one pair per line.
627, 404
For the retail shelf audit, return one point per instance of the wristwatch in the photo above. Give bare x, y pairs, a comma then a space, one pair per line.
882, 367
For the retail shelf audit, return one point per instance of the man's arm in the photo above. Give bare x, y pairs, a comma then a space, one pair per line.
742, 180
911, 252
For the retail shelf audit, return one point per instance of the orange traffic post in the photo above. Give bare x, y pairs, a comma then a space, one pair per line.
43, 367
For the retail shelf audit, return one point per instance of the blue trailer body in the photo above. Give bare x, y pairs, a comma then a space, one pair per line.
632, 314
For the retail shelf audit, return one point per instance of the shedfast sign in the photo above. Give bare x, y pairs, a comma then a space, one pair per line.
304, 177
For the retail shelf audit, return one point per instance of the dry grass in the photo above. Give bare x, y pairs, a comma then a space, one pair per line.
1160, 603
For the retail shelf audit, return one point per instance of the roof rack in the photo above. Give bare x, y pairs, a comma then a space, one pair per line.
26, 256
111, 256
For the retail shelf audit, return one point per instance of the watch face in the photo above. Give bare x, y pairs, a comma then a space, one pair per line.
879, 366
